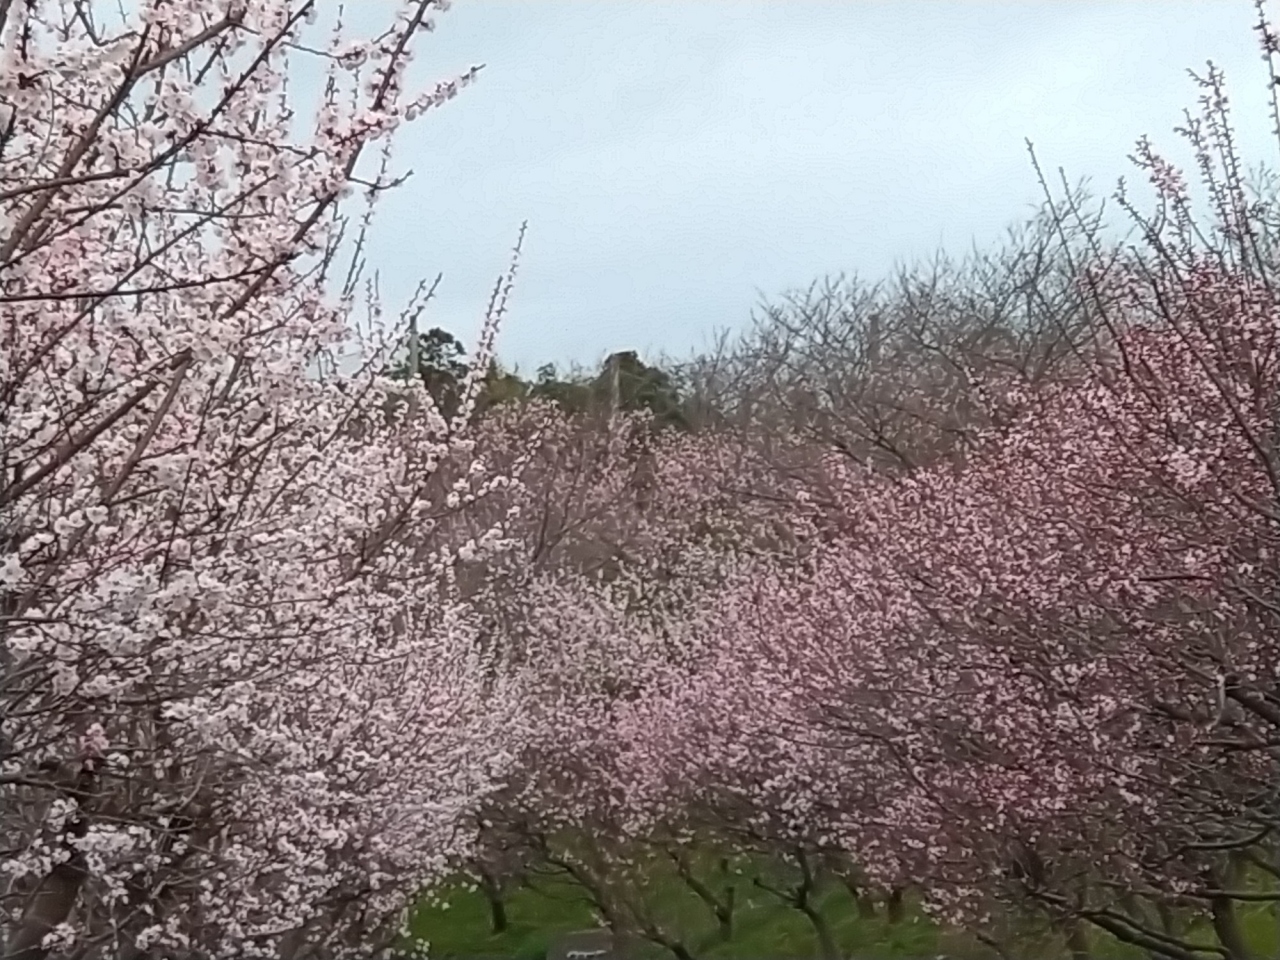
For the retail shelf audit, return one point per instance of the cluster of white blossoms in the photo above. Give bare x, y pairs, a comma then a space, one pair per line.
241, 705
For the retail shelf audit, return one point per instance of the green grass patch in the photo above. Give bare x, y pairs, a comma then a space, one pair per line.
455, 919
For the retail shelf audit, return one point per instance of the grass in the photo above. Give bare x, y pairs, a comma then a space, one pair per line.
457, 924
455, 920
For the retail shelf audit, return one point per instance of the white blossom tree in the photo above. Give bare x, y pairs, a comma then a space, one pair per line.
242, 709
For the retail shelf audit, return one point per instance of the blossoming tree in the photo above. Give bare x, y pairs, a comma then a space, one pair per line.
1046, 672
242, 707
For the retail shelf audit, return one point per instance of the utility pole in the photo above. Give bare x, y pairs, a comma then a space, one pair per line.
414, 373
413, 346
614, 402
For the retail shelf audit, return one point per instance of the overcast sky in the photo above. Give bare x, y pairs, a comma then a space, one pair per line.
677, 159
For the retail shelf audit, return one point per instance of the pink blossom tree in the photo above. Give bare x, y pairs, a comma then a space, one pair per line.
1046, 671
621, 532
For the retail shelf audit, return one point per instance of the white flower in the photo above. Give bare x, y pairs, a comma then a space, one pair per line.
10, 569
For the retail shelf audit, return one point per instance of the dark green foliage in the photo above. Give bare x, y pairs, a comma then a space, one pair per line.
631, 384
501, 386
623, 384
441, 367
571, 394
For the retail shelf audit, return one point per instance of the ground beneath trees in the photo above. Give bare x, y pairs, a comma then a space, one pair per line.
456, 920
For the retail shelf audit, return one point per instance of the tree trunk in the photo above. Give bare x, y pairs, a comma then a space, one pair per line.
497, 915
49, 906
865, 904
801, 897
1076, 939
826, 942
653, 934
894, 906
721, 908
1227, 927
497, 903
56, 895
1168, 919
866, 908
